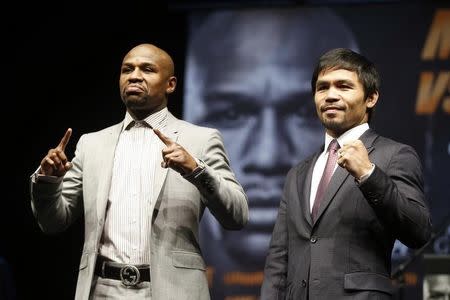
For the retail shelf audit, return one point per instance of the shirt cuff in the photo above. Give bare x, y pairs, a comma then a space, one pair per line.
365, 176
198, 170
36, 177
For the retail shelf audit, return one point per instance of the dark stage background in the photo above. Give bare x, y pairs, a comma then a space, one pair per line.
61, 67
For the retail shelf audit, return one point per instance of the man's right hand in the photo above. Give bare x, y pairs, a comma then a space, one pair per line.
55, 162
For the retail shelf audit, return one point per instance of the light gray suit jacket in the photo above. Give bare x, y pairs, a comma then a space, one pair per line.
177, 266
346, 253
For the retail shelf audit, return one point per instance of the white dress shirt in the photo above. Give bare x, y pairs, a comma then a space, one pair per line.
126, 234
348, 136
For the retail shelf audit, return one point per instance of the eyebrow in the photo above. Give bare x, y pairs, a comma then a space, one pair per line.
345, 81
340, 81
223, 100
227, 99
142, 64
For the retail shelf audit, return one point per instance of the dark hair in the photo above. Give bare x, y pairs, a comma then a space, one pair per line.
342, 58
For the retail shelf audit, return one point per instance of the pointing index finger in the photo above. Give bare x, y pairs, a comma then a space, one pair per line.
163, 138
65, 140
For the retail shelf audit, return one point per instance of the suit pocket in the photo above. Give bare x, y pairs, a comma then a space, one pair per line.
188, 260
365, 281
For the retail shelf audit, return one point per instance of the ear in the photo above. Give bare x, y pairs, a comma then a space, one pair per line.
171, 84
372, 100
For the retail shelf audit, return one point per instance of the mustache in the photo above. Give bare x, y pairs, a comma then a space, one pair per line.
331, 106
135, 85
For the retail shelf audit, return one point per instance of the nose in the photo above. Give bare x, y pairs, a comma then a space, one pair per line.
135, 76
268, 146
332, 95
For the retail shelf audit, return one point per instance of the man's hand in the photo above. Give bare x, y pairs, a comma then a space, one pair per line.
55, 162
175, 156
353, 156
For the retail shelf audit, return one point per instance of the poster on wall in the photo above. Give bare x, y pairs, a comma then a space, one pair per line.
248, 74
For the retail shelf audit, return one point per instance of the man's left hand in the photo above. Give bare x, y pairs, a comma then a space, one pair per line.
354, 158
175, 156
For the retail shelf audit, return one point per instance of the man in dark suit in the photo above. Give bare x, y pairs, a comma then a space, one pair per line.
343, 208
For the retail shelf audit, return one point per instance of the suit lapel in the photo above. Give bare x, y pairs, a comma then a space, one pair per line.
105, 159
170, 129
341, 174
304, 187
336, 182
368, 138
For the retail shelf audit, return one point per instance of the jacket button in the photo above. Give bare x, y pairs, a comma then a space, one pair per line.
303, 283
313, 239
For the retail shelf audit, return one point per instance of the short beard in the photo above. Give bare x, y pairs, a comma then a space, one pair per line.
333, 126
137, 102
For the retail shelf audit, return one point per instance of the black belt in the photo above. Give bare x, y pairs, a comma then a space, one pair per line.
130, 275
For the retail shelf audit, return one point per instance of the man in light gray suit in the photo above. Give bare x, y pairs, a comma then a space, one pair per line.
141, 214
342, 210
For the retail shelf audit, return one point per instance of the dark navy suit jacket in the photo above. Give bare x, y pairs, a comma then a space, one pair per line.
346, 253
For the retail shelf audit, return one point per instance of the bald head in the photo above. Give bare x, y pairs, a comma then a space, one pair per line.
262, 36
267, 52
146, 80
157, 54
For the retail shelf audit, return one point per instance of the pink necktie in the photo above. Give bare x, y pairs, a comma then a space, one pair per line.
326, 176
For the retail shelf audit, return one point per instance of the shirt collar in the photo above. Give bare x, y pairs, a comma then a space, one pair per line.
350, 135
156, 120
